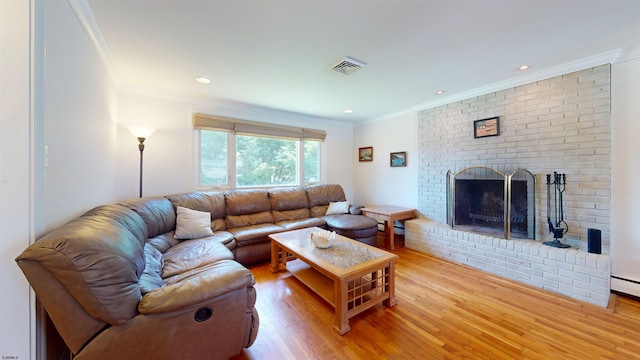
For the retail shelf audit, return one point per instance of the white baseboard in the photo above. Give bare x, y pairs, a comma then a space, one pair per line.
625, 286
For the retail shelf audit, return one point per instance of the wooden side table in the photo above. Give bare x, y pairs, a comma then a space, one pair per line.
389, 214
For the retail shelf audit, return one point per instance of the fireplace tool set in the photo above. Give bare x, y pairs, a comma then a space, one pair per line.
558, 227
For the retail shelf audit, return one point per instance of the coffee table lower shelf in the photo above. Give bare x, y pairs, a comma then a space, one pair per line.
361, 291
351, 289
313, 279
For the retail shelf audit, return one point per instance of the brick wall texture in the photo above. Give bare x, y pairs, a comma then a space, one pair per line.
569, 272
559, 124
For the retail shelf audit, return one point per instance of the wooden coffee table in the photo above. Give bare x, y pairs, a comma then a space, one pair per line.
351, 276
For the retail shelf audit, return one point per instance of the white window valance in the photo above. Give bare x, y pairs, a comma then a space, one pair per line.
246, 127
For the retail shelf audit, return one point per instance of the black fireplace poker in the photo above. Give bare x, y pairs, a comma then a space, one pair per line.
558, 227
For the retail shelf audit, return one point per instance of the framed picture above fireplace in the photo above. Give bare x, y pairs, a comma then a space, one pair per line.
486, 127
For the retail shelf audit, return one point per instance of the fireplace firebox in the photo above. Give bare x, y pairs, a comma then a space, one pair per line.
484, 200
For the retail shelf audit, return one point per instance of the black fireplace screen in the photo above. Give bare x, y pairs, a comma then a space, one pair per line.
484, 200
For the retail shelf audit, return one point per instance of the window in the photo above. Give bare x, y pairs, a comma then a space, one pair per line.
266, 161
214, 167
311, 161
235, 153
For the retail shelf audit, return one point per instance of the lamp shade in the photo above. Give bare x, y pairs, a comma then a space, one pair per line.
141, 131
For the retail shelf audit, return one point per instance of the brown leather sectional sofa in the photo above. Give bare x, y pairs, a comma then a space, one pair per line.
118, 284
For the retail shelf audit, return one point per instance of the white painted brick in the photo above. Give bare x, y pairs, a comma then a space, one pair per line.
535, 250
545, 268
546, 283
531, 258
600, 299
581, 259
591, 272
592, 261
558, 278
603, 263
519, 262
530, 271
558, 264
576, 277
561, 123
518, 275
495, 256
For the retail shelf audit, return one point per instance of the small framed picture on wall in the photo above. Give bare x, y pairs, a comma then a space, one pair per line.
486, 127
398, 159
365, 153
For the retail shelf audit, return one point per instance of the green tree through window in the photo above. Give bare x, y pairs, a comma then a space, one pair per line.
214, 168
265, 161
259, 161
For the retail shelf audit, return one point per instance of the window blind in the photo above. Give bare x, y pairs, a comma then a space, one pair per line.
246, 127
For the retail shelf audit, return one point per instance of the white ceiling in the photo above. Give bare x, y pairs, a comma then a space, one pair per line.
278, 53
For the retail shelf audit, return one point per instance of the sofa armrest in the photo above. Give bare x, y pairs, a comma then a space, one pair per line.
196, 286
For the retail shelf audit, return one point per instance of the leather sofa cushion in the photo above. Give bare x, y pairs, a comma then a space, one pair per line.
223, 237
235, 221
151, 277
247, 235
211, 202
350, 222
123, 217
302, 223
321, 195
157, 213
97, 241
293, 214
191, 254
196, 286
164, 241
243, 202
288, 198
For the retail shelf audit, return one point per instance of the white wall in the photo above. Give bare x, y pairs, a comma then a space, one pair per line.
167, 154
65, 99
80, 120
15, 180
625, 192
377, 183
168, 162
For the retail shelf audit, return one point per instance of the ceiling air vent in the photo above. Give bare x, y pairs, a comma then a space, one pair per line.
347, 65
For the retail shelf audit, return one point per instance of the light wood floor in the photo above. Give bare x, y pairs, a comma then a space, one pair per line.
444, 311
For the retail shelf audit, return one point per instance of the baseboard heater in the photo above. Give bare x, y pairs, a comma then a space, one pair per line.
624, 285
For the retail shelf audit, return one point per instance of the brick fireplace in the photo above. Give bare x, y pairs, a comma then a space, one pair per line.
558, 124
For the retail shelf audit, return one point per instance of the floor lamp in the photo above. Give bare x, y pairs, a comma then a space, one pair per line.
142, 133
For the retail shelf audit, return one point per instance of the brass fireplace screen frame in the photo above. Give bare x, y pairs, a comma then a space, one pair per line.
519, 173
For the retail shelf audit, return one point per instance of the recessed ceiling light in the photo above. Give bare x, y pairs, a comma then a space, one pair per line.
348, 111
523, 67
203, 80
440, 92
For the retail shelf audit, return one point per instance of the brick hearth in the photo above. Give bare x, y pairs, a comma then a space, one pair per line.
570, 272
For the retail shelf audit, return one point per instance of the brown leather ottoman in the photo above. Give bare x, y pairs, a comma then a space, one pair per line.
356, 227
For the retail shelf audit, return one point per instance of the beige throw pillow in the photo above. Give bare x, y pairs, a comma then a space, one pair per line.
192, 224
341, 207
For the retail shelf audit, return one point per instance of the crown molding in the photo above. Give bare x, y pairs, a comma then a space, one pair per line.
85, 17
87, 20
223, 107
600, 59
627, 54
